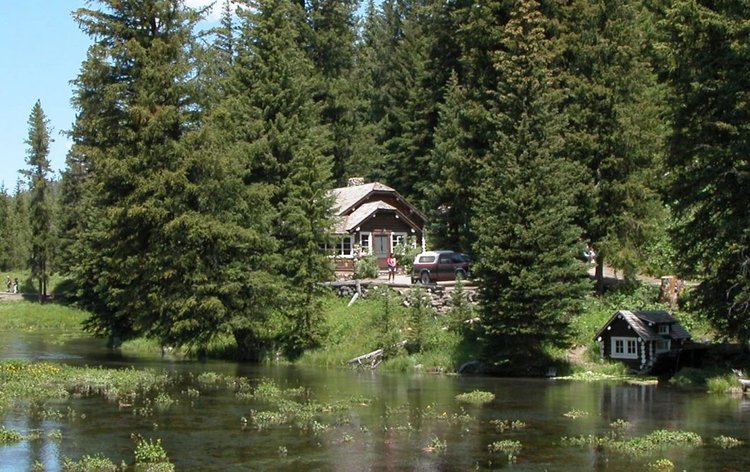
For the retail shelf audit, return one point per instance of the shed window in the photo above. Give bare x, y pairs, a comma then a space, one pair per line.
397, 238
624, 348
663, 346
663, 329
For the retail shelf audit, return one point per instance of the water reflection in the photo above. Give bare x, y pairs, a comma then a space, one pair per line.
390, 421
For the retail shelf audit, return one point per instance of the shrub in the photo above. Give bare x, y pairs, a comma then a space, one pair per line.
366, 268
96, 463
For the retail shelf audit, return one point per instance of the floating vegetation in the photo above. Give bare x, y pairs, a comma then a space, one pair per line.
436, 445
477, 397
432, 412
505, 425
619, 424
212, 379
508, 447
10, 436
726, 442
575, 414
150, 455
163, 400
655, 440
95, 463
282, 451
661, 465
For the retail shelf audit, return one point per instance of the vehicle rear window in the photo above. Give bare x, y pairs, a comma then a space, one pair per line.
426, 259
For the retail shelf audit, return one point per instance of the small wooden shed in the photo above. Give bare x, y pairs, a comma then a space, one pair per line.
641, 338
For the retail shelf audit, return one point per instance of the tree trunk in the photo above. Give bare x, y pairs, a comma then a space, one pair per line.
600, 274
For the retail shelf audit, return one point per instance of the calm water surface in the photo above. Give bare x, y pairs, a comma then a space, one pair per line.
389, 422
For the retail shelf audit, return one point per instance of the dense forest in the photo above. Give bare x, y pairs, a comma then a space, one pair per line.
194, 201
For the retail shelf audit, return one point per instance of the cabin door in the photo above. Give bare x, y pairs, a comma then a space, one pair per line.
382, 247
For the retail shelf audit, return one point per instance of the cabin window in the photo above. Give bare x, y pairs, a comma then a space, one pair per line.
624, 348
663, 346
663, 329
364, 243
342, 247
397, 238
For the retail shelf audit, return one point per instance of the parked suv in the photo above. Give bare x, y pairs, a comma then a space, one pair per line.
434, 266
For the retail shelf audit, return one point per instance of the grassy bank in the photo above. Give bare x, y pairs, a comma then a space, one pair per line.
437, 343
28, 316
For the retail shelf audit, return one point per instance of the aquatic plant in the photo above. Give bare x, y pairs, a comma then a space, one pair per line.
619, 424
282, 451
150, 455
661, 465
10, 436
163, 400
655, 440
726, 442
96, 463
436, 445
575, 414
508, 447
504, 425
476, 397
726, 383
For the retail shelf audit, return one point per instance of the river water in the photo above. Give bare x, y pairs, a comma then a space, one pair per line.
392, 422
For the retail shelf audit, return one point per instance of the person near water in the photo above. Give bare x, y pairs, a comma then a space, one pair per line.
392, 265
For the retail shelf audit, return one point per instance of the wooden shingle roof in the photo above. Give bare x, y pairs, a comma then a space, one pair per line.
645, 324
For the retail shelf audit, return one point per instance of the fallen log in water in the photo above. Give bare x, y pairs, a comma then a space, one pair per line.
373, 358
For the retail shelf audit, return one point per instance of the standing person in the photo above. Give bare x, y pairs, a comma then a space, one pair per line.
15, 285
8, 283
392, 264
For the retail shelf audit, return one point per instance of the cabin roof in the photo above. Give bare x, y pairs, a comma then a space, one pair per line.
351, 212
645, 324
347, 197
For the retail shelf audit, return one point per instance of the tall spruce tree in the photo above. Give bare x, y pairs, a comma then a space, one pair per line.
708, 67
617, 130
274, 123
134, 107
530, 280
332, 50
37, 158
453, 170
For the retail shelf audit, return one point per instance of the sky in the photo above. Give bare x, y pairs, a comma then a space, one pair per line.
41, 51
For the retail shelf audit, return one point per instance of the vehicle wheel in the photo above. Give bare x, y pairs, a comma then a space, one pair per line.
460, 275
425, 278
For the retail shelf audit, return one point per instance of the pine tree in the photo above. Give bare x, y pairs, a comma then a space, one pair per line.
41, 207
708, 66
530, 280
332, 51
453, 172
616, 130
272, 123
134, 107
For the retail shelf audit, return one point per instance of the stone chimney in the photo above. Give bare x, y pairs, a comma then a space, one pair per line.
354, 181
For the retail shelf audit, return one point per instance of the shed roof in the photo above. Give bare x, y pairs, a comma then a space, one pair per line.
645, 324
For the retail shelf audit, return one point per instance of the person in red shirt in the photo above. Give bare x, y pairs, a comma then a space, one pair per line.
392, 264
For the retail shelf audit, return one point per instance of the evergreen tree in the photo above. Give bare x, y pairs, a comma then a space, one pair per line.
41, 208
273, 124
5, 227
332, 51
530, 280
708, 67
453, 172
616, 128
134, 107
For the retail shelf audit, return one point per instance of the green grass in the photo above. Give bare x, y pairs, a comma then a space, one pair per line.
352, 331
30, 316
